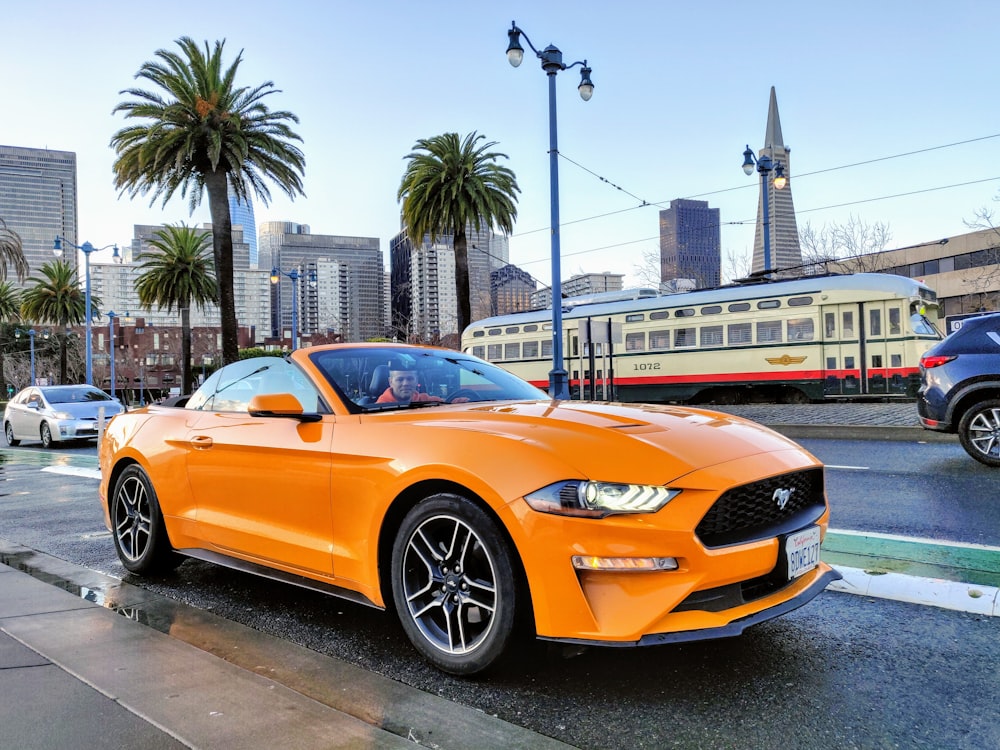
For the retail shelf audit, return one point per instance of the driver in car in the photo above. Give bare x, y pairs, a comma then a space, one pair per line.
403, 389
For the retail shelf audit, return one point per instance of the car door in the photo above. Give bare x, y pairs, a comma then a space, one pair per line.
262, 484
25, 416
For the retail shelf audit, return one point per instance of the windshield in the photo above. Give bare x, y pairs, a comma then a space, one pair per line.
396, 377
74, 395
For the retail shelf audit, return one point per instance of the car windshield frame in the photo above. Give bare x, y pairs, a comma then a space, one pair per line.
440, 373
82, 394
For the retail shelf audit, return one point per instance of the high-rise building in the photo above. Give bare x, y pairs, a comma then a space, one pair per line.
346, 295
38, 200
424, 299
511, 289
784, 234
579, 285
241, 215
690, 243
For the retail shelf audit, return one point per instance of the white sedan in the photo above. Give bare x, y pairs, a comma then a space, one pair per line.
58, 413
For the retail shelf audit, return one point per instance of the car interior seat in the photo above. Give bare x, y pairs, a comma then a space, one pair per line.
379, 382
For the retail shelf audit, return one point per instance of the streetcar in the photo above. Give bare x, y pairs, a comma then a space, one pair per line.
787, 341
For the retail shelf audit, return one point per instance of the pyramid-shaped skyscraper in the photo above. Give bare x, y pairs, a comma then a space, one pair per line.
785, 249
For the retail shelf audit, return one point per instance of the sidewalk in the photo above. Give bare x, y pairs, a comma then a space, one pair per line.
74, 673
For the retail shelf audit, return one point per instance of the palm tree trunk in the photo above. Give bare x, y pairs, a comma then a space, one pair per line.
186, 378
462, 279
222, 247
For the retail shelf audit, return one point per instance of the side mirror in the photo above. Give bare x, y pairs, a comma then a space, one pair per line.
280, 405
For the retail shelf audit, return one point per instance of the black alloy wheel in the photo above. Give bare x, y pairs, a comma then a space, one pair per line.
137, 525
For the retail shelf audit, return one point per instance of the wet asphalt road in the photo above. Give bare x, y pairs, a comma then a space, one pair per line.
842, 672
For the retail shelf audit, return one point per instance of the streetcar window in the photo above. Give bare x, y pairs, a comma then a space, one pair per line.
684, 312
895, 321
921, 326
530, 350
478, 334
896, 360
831, 363
848, 363
511, 329
493, 352
635, 342
659, 315
800, 301
530, 328
848, 326
739, 307
800, 329
876, 360
494, 332
685, 337
479, 351
659, 339
768, 304
547, 348
711, 310
739, 333
830, 325
635, 318
768, 331
711, 335
511, 351
875, 322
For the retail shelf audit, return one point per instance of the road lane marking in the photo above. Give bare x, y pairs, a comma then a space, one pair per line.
74, 471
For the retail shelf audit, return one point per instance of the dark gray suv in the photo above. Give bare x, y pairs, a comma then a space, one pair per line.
960, 387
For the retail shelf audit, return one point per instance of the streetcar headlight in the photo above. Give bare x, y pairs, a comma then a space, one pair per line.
575, 497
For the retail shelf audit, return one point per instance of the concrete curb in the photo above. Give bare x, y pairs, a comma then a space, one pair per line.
936, 592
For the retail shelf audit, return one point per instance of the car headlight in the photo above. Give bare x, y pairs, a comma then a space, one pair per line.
61, 415
577, 497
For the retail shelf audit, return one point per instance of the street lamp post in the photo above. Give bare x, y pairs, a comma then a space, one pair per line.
31, 333
552, 63
765, 166
294, 275
111, 348
86, 248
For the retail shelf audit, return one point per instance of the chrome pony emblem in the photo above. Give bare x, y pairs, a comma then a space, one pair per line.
781, 496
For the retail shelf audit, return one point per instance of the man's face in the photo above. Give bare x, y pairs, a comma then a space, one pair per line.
403, 384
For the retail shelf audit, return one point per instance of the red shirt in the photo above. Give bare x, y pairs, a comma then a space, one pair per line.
388, 398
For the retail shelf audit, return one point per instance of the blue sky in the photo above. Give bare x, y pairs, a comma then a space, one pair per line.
681, 89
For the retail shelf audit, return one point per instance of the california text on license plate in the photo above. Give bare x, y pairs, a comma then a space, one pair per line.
802, 551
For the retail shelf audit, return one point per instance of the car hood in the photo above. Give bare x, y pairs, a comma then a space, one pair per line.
88, 409
658, 441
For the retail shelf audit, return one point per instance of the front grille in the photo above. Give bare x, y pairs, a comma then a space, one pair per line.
751, 511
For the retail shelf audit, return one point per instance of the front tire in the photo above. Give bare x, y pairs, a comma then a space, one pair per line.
454, 584
8, 431
979, 431
45, 434
137, 525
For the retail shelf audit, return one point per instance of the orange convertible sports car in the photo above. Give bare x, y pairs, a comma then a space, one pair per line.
430, 482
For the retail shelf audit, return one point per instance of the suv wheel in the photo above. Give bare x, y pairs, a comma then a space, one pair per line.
979, 432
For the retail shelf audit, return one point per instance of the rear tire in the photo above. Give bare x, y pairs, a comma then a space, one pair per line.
979, 431
8, 431
137, 525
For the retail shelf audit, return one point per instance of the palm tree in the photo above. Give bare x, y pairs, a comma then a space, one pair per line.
56, 298
11, 251
10, 312
450, 184
178, 274
203, 133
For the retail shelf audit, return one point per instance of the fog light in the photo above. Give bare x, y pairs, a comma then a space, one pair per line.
589, 562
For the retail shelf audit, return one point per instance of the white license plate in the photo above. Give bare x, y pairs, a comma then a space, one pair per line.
802, 551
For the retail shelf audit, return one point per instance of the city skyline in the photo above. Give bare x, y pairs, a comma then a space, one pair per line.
876, 101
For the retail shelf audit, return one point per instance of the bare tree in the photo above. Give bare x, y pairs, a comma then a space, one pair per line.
855, 243
737, 266
985, 264
648, 269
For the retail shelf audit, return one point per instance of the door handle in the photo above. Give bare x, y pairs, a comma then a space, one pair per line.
201, 442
